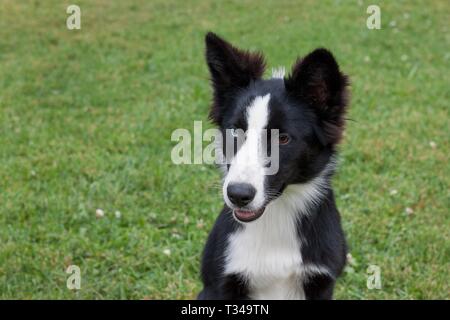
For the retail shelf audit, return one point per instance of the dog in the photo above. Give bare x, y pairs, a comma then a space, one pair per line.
278, 236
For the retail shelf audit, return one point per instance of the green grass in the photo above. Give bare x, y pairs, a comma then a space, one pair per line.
86, 118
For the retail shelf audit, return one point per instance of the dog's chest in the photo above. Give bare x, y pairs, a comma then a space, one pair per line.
267, 252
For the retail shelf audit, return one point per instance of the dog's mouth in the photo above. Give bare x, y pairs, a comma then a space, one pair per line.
244, 215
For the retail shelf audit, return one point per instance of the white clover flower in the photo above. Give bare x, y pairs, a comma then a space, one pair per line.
99, 213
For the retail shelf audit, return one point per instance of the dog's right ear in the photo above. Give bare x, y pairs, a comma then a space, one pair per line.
231, 69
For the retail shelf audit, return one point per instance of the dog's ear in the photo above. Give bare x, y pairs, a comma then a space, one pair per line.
231, 69
317, 81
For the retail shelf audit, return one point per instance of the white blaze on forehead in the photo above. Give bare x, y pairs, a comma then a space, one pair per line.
248, 164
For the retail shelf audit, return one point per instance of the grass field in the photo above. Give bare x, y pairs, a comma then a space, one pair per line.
86, 118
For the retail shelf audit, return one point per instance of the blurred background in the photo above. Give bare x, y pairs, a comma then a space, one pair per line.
86, 118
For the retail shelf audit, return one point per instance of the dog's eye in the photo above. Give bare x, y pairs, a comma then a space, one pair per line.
284, 138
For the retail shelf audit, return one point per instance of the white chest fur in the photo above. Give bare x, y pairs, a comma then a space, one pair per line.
268, 251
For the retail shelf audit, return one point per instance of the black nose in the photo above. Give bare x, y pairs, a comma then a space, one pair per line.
241, 194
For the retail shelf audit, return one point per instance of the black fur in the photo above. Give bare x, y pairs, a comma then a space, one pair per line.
310, 105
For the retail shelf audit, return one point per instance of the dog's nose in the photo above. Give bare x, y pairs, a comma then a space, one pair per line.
241, 194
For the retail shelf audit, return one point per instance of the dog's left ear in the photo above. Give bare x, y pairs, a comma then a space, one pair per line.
231, 69
317, 81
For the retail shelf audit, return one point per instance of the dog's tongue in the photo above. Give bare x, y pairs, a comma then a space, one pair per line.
244, 214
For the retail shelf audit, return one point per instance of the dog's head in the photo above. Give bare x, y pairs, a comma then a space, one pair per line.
307, 108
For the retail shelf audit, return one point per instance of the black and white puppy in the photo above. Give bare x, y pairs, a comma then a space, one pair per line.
278, 236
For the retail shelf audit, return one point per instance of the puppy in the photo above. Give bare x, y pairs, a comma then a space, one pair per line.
279, 235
